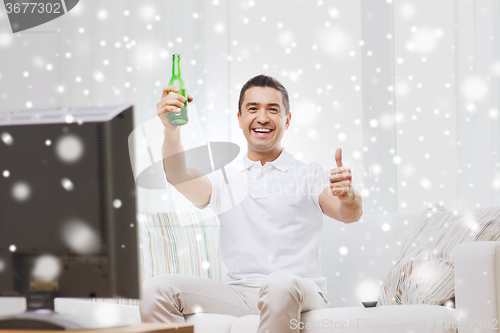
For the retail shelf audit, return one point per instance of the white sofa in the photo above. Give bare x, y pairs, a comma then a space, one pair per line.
371, 245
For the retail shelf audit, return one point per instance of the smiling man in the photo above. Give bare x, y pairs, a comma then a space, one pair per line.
270, 238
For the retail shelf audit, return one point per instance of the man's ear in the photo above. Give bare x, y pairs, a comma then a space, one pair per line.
288, 119
239, 120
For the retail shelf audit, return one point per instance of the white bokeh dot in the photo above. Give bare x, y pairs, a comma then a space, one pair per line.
67, 184
117, 203
46, 267
333, 12
396, 159
425, 183
343, 250
102, 14
69, 119
474, 88
373, 123
69, 148
6, 40
423, 40
7, 138
407, 11
219, 27
21, 191
493, 113
80, 237
98, 76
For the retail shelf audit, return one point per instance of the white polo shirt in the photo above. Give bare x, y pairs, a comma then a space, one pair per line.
270, 219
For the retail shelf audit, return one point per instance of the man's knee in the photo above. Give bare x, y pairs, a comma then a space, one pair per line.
280, 285
161, 287
160, 298
161, 284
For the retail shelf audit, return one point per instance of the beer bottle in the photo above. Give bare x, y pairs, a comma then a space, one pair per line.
178, 118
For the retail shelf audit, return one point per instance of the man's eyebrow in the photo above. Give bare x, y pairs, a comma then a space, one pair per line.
255, 103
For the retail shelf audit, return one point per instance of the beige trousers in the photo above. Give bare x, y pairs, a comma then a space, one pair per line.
280, 299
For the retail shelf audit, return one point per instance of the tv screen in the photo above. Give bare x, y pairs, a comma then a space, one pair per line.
68, 203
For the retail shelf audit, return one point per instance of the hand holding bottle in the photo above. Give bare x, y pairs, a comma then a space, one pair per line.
170, 103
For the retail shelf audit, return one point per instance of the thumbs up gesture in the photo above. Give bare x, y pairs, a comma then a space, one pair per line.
340, 180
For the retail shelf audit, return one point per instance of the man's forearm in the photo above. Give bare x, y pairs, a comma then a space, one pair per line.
351, 211
174, 159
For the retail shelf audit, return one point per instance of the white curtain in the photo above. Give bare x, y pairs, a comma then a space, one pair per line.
477, 68
379, 126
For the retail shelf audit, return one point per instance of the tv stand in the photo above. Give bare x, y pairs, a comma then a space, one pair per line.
40, 314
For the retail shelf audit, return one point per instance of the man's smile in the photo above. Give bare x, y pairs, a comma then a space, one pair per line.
262, 131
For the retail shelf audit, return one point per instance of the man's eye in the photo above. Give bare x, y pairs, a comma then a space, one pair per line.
274, 110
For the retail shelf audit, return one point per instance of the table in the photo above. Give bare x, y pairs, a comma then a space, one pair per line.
134, 328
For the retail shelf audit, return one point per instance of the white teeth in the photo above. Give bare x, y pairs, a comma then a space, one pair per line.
262, 130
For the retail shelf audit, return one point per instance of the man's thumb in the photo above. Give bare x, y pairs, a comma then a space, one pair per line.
338, 157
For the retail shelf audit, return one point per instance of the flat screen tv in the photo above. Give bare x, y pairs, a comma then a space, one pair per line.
68, 210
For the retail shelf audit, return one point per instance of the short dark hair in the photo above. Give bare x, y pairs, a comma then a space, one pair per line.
265, 81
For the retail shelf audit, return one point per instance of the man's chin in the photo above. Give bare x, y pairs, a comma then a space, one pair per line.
260, 148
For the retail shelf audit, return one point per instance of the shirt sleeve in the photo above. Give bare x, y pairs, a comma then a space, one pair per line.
216, 179
319, 181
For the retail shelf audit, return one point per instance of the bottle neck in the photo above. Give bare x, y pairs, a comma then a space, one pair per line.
176, 66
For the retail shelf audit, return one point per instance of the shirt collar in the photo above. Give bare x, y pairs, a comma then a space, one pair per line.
282, 163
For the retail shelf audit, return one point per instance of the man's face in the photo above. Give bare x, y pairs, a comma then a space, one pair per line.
263, 118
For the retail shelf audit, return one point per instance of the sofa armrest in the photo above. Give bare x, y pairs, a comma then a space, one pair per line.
477, 297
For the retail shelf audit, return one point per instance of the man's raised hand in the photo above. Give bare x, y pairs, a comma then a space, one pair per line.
170, 103
340, 180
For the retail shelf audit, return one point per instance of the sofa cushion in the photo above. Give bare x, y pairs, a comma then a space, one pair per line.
177, 243
180, 243
246, 324
384, 319
423, 272
211, 322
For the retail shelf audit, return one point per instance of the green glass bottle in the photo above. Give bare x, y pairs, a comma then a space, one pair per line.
178, 118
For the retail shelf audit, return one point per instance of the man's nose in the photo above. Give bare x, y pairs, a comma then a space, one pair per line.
262, 116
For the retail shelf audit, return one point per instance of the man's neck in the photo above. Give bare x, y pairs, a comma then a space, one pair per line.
264, 157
